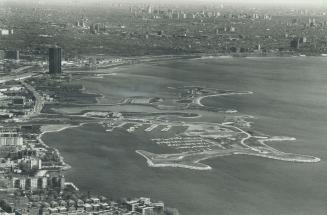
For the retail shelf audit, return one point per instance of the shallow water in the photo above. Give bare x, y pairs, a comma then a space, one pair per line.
289, 100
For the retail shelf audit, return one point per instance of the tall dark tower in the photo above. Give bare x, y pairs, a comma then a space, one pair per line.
55, 60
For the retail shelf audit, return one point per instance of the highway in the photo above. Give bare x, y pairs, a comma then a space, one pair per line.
17, 76
39, 100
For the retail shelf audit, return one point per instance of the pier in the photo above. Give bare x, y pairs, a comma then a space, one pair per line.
151, 128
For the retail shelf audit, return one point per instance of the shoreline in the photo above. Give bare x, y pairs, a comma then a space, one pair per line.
198, 100
55, 129
150, 162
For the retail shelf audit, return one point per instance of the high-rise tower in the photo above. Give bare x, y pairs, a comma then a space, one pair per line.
55, 60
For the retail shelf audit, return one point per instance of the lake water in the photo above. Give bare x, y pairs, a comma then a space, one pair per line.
290, 99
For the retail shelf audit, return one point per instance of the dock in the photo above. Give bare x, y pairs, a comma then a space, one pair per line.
151, 128
166, 128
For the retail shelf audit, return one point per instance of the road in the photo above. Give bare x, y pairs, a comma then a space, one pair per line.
248, 136
39, 100
17, 76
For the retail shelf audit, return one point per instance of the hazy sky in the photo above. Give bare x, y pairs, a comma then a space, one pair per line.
278, 2
292, 2
315, 2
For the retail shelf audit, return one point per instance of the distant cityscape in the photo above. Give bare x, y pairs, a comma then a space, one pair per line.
133, 30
